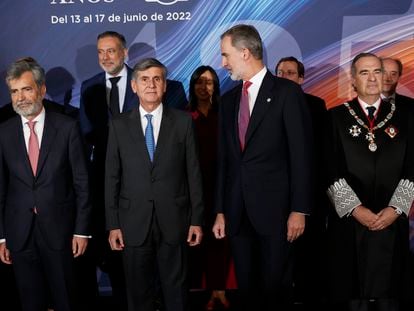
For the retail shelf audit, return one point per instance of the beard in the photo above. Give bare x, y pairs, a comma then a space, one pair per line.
28, 109
236, 75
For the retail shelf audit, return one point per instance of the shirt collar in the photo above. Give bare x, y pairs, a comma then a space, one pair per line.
258, 77
156, 113
364, 105
40, 118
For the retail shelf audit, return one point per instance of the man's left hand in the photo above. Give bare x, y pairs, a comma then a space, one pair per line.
79, 245
295, 226
195, 235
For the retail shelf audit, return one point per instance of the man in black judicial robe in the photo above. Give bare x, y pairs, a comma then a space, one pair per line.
371, 174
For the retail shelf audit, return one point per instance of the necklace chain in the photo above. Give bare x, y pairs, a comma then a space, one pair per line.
362, 123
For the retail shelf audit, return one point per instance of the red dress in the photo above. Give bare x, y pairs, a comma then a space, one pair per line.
210, 263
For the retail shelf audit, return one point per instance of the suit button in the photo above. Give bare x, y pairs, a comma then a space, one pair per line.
152, 179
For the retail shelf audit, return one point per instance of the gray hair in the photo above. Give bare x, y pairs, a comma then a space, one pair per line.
245, 36
22, 65
147, 63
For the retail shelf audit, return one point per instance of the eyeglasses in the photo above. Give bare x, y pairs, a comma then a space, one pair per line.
289, 73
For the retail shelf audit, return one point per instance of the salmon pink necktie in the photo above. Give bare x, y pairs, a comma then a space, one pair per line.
33, 147
244, 114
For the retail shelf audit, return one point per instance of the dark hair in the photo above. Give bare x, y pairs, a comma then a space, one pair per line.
23, 65
398, 62
358, 57
113, 34
245, 36
301, 68
147, 63
215, 99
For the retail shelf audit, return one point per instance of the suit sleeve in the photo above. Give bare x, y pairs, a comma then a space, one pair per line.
298, 127
2, 192
194, 177
80, 181
112, 179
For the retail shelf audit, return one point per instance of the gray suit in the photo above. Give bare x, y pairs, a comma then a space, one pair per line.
154, 203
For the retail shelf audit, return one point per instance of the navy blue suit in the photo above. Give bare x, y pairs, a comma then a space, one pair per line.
258, 188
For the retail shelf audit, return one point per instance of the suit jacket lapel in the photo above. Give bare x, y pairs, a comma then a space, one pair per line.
235, 113
49, 134
135, 128
21, 151
263, 101
163, 136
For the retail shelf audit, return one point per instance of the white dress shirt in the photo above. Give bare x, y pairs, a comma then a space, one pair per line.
156, 121
122, 85
253, 89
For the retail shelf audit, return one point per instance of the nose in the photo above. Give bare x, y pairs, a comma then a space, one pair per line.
20, 96
371, 76
223, 62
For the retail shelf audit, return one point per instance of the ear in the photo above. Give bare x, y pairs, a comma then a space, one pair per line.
134, 85
300, 80
43, 90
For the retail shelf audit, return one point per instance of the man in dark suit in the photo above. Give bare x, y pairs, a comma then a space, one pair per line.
264, 170
393, 69
153, 193
95, 113
44, 208
309, 249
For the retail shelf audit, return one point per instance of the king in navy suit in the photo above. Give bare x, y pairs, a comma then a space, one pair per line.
264, 174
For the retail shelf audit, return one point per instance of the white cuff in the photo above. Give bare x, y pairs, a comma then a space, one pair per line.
403, 196
343, 197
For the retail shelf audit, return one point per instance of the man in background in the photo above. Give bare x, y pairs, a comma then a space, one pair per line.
309, 248
393, 69
103, 97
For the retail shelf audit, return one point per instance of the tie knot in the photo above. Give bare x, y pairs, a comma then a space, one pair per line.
246, 85
149, 117
114, 80
371, 111
31, 125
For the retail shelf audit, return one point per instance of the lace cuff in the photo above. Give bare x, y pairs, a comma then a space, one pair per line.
403, 196
343, 197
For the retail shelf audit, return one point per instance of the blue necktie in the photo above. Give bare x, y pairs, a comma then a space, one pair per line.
149, 137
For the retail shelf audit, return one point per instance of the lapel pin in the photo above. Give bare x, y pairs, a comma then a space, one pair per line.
391, 131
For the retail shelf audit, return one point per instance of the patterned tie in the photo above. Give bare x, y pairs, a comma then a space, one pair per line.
371, 112
149, 137
114, 96
244, 114
33, 147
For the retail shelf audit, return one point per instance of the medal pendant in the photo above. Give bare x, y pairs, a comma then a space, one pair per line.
372, 146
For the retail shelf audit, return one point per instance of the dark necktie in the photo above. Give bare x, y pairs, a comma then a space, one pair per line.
33, 147
114, 96
371, 112
149, 137
244, 114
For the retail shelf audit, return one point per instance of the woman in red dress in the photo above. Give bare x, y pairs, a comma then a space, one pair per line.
209, 263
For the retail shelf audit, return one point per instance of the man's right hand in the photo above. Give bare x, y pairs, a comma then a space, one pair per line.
5, 254
116, 240
364, 216
219, 226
